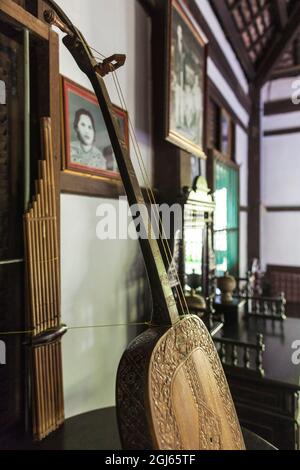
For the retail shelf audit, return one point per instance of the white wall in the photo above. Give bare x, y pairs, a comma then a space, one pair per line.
102, 281
227, 91
101, 285
278, 89
281, 121
215, 26
280, 167
280, 241
281, 170
212, 70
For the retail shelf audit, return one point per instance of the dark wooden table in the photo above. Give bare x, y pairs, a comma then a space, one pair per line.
269, 404
233, 311
96, 430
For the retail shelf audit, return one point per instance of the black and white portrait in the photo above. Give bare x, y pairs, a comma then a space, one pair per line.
87, 143
186, 87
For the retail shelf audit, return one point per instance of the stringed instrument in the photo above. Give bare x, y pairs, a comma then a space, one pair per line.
171, 390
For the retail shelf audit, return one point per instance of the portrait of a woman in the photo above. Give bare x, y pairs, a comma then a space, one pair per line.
83, 150
87, 145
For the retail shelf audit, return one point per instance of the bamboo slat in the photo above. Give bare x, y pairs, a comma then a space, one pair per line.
43, 273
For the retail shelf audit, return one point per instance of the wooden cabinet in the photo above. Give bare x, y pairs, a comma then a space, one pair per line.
270, 411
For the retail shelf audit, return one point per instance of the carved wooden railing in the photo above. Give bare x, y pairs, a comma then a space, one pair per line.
242, 355
244, 286
268, 308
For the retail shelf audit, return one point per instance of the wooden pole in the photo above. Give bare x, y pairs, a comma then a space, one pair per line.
26, 118
44, 263
39, 283
39, 241
254, 175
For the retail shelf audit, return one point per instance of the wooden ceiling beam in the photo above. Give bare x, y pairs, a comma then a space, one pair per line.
296, 51
279, 46
254, 16
259, 40
232, 33
235, 5
150, 6
279, 107
281, 12
286, 72
253, 20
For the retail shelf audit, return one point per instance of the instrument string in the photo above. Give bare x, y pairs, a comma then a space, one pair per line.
150, 195
149, 191
152, 200
89, 327
162, 234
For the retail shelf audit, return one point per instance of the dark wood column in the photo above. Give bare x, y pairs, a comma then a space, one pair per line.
254, 175
167, 161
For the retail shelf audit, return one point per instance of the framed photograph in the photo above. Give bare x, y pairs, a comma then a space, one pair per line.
186, 81
86, 142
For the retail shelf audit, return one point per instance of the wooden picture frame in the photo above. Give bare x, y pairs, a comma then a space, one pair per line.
94, 172
186, 81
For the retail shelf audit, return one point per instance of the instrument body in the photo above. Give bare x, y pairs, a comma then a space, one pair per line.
172, 392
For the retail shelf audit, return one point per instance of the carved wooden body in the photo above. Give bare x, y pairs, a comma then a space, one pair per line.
172, 393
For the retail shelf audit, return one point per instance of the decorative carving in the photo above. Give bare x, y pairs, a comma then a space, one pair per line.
130, 396
209, 422
172, 351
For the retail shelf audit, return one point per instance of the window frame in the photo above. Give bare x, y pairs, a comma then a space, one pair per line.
214, 156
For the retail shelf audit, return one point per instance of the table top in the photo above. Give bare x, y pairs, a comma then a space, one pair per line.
278, 339
96, 430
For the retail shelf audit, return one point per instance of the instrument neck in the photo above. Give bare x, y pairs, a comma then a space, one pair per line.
164, 306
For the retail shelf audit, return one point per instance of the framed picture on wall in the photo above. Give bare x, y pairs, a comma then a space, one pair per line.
186, 81
86, 144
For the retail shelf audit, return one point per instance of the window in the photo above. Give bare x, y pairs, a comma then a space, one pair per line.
226, 220
221, 130
225, 134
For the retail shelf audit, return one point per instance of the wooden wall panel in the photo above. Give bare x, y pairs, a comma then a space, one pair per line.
12, 310
285, 279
